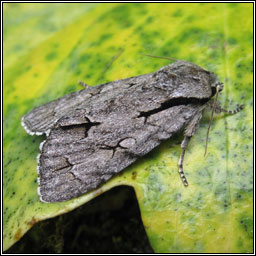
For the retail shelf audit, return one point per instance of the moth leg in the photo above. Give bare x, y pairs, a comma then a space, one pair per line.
86, 86
189, 132
184, 145
219, 109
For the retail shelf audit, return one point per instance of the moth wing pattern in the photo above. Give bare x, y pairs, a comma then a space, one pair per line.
79, 157
41, 119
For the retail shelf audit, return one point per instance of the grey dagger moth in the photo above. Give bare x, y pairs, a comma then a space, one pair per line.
94, 133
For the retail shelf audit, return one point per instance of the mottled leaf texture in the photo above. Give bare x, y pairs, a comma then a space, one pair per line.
95, 133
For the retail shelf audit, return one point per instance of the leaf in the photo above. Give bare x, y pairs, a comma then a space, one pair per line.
49, 47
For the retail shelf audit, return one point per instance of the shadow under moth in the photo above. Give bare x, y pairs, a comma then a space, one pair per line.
95, 133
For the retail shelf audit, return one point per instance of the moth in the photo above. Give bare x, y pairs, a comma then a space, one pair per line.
95, 133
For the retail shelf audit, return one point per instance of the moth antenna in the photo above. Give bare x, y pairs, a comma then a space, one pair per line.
210, 123
114, 58
160, 57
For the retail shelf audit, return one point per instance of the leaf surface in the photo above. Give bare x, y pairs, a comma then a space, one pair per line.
49, 47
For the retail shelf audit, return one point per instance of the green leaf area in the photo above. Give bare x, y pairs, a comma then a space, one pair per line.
49, 47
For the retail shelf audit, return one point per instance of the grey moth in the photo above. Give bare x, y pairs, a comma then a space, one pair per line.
95, 133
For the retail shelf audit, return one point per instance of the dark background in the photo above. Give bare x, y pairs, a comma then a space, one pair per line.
110, 223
